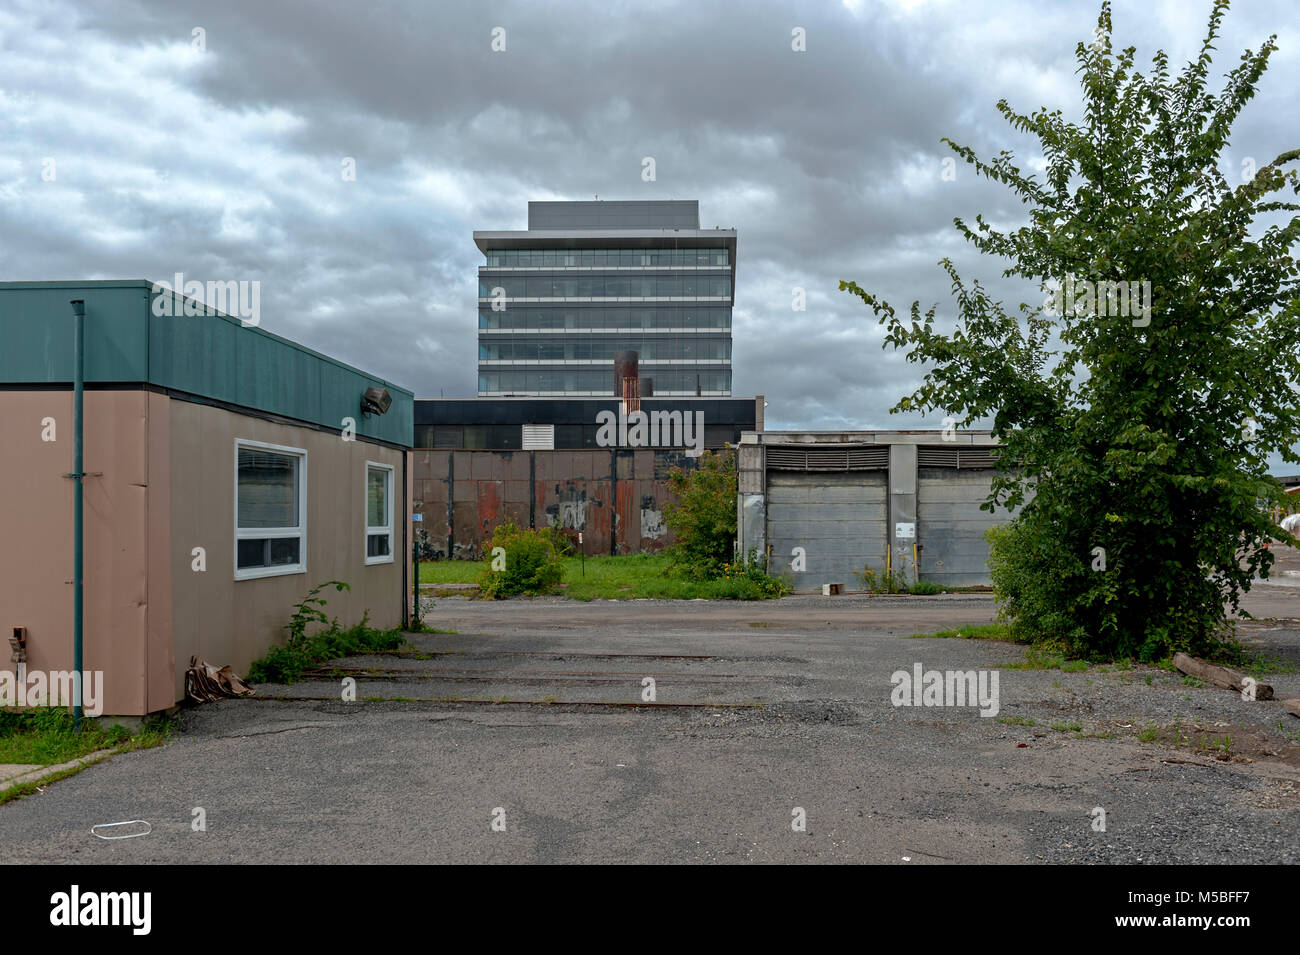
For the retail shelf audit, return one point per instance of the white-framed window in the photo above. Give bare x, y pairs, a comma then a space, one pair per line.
379, 513
270, 510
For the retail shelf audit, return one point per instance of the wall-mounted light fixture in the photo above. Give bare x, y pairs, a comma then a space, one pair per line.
376, 401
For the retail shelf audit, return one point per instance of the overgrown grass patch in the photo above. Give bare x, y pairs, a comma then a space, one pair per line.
450, 571
926, 588
1259, 663
611, 578
45, 736
990, 631
667, 588
595, 577
624, 577
1199, 739
19, 790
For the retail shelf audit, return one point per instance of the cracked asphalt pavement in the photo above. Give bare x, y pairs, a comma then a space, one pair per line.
529, 735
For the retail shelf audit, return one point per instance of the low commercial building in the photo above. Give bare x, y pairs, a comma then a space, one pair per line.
227, 471
545, 461
825, 506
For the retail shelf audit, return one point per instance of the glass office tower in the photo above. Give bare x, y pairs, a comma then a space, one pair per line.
590, 279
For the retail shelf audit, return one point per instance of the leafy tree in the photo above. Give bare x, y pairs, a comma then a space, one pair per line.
1136, 441
703, 518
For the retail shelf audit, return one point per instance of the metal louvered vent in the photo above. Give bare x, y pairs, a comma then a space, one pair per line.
792, 459
868, 459
936, 457
976, 458
831, 458
538, 437
787, 458
963, 458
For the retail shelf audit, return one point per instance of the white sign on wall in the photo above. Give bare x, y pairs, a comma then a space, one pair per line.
904, 531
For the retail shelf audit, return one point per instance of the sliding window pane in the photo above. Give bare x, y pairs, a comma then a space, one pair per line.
268, 489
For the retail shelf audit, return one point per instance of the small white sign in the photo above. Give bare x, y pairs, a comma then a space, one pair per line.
904, 531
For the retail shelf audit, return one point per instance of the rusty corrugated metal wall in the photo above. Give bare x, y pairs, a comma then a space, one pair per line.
615, 497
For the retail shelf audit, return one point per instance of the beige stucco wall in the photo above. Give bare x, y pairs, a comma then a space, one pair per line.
125, 635
227, 621
160, 483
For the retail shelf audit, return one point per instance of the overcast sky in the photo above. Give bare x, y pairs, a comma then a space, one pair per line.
225, 163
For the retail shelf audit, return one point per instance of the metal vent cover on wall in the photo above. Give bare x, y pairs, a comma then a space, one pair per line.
788, 458
539, 437
962, 458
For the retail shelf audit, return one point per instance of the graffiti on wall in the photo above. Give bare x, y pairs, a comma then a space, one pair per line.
652, 519
569, 509
615, 500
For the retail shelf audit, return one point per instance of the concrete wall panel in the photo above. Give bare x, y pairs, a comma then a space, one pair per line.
160, 656
751, 523
224, 620
36, 565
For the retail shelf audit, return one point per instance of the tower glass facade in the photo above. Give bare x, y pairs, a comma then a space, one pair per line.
590, 279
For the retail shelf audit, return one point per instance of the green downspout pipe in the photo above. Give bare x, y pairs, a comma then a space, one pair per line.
78, 475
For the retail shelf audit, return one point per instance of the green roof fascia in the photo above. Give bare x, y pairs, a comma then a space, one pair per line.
209, 355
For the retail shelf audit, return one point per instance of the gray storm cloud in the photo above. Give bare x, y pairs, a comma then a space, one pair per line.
224, 162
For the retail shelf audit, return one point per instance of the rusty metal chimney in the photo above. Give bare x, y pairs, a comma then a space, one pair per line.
626, 380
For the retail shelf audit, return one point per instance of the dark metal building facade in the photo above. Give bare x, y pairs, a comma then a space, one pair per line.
473, 471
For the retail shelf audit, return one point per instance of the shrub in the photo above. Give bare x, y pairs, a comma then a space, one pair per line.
749, 576
531, 563
703, 517
311, 610
284, 664
1030, 576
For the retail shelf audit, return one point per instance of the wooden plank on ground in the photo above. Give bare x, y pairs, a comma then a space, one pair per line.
1219, 676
